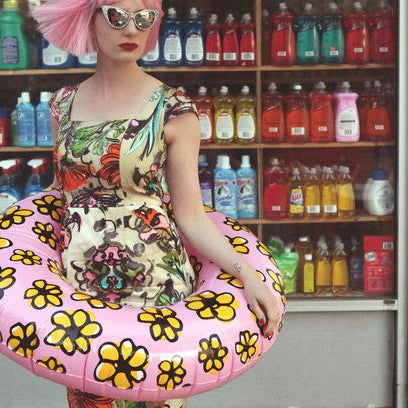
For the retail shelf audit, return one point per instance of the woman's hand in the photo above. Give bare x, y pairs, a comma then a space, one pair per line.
262, 303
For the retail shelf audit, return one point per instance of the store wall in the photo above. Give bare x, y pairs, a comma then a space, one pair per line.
321, 360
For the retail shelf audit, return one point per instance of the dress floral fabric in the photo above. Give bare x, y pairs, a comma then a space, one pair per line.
119, 240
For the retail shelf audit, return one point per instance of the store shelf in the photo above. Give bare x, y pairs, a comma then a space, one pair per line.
334, 304
358, 218
263, 68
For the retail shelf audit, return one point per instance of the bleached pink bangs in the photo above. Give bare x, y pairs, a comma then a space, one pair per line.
66, 24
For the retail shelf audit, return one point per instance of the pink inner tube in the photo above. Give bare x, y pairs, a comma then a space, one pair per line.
122, 351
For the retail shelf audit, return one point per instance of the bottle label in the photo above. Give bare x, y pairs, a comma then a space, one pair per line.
273, 129
205, 126
296, 201
88, 59
330, 209
247, 56
322, 128
230, 56
348, 122
358, 50
152, 55
297, 131
309, 53
308, 286
54, 56
313, 209
9, 50
172, 48
225, 127
194, 48
356, 268
281, 53
247, 201
333, 52
383, 49
246, 126
225, 196
385, 199
212, 56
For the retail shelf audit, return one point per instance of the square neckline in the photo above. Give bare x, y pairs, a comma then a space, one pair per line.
75, 91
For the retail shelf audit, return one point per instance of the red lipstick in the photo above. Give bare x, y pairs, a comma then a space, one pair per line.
128, 46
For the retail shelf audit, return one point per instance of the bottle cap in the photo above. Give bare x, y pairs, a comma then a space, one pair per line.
272, 87
172, 12
379, 174
246, 18
245, 90
367, 84
202, 158
213, 18
308, 7
246, 161
45, 97
297, 86
377, 84
296, 171
304, 238
320, 86
333, 6
265, 13
358, 6
283, 6
25, 96
202, 91
219, 157
275, 161
224, 90
10, 4
308, 257
194, 12
225, 162
230, 18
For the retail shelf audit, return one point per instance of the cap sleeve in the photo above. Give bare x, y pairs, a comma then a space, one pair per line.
178, 103
54, 103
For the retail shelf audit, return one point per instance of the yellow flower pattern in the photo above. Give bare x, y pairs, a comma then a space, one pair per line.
247, 346
23, 339
52, 364
278, 285
264, 250
172, 373
46, 234
14, 215
42, 295
212, 354
240, 244
26, 257
94, 302
49, 205
231, 280
5, 243
7, 279
235, 225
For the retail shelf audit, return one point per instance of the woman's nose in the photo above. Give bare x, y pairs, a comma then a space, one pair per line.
131, 27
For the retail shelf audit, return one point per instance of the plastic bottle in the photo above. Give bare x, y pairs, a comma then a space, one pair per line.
332, 47
9, 191
4, 128
355, 262
247, 188
382, 22
378, 115
206, 180
247, 44
276, 191
88, 60
230, 44
26, 131
340, 272
347, 128
42, 121
224, 117
14, 47
312, 195
245, 117
33, 35
329, 194
321, 115
13, 124
54, 58
266, 35
346, 198
225, 189
34, 183
306, 275
194, 39
296, 195
283, 41
307, 37
323, 269
273, 116
297, 115
205, 108
362, 104
357, 36
379, 194
171, 47
213, 46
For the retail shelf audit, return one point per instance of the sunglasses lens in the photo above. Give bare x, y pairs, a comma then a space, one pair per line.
117, 17
145, 19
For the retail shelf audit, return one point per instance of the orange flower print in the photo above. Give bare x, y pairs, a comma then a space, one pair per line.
110, 165
72, 177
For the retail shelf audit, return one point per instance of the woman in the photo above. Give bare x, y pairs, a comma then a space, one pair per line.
117, 134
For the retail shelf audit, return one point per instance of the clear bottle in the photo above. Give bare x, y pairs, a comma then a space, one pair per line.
312, 195
346, 197
340, 272
224, 117
323, 269
296, 196
329, 194
245, 117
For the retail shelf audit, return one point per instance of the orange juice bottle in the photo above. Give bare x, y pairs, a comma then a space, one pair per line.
323, 269
340, 271
346, 198
329, 194
224, 117
205, 110
296, 196
312, 195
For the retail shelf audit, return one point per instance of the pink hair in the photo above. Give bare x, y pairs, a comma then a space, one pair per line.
66, 24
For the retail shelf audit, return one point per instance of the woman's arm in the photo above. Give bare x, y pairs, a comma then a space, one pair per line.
183, 136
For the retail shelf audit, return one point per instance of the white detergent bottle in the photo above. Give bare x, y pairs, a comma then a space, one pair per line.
347, 124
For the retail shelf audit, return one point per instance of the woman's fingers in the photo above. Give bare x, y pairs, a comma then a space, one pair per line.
258, 312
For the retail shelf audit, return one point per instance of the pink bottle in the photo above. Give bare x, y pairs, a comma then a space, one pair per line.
347, 124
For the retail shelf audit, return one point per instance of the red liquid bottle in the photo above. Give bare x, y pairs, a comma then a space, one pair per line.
297, 116
248, 43
273, 116
4, 128
276, 191
362, 105
230, 44
378, 117
321, 115
357, 36
266, 35
382, 24
283, 39
213, 48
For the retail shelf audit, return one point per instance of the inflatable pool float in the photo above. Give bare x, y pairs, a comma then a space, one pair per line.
121, 351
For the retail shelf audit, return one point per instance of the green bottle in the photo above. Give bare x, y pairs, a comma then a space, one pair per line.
307, 37
14, 48
332, 51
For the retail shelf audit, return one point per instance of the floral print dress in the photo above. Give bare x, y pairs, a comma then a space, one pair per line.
119, 241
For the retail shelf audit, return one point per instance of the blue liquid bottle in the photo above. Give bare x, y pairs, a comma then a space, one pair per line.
332, 47
88, 60
225, 189
9, 191
26, 131
54, 58
193, 43
171, 46
152, 58
307, 37
34, 182
247, 190
42, 121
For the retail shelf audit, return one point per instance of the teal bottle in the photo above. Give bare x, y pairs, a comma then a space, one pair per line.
332, 50
307, 37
